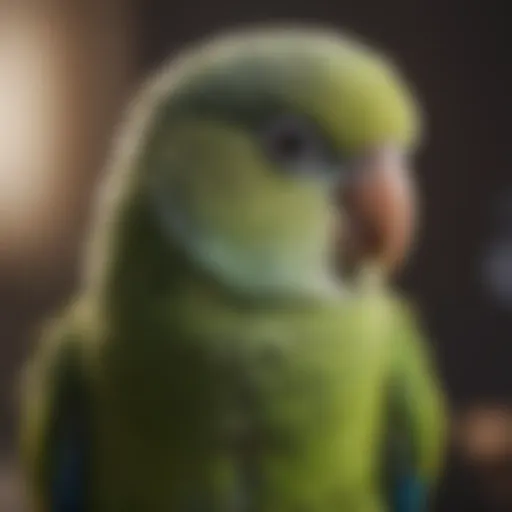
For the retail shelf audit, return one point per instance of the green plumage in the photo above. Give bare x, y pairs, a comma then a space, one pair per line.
219, 363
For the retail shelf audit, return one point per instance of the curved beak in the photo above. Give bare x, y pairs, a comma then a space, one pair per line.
380, 204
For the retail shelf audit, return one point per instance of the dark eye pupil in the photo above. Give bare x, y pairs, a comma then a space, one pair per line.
289, 144
296, 145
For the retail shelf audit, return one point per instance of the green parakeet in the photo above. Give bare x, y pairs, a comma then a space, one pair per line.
234, 346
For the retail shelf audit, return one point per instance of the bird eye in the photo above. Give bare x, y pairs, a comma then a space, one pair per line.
294, 144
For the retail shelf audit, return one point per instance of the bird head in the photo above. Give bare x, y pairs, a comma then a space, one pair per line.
278, 159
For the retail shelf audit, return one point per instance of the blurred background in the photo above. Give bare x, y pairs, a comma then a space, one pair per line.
67, 70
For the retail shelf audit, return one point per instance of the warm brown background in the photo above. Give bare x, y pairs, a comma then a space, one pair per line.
66, 70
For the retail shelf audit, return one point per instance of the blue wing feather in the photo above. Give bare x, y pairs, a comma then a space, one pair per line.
410, 495
68, 483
